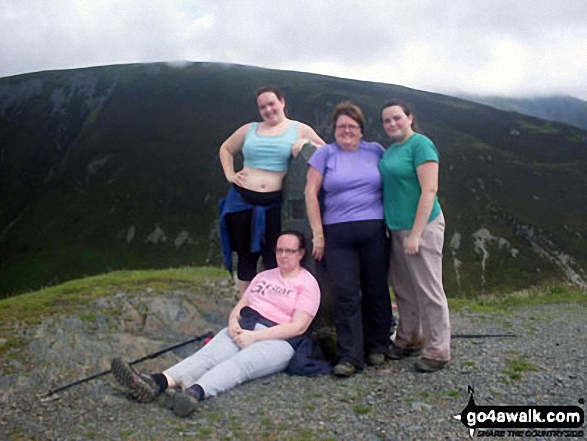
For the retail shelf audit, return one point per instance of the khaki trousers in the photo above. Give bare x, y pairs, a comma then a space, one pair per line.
421, 302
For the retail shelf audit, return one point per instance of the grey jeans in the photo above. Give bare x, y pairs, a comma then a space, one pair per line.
222, 365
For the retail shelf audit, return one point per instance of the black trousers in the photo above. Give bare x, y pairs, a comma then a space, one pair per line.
239, 228
357, 258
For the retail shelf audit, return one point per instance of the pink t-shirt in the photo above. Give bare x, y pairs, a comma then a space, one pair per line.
277, 298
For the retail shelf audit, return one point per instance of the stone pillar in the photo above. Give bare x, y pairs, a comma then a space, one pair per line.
293, 216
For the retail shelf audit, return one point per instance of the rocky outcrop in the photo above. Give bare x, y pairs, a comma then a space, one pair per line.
67, 347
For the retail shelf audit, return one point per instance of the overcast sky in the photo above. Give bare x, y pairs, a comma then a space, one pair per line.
505, 47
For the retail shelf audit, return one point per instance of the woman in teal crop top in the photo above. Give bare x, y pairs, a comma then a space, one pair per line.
269, 152
267, 147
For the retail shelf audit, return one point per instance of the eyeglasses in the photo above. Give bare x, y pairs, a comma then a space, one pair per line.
346, 126
286, 251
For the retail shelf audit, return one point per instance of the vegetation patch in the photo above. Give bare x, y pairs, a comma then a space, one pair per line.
436, 396
301, 434
535, 296
362, 409
69, 296
347, 398
13, 342
213, 416
548, 128
451, 393
516, 366
205, 432
88, 318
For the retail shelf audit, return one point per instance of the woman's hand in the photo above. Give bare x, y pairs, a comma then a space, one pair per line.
228, 149
239, 178
412, 244
234, 328
296, 147
245, 338
318, 247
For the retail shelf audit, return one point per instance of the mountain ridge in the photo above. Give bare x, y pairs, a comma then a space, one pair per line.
560, 108
116, 167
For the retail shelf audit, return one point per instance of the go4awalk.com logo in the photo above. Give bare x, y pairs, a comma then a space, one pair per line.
522, 421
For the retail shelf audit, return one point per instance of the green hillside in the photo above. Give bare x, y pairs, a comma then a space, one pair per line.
116, 167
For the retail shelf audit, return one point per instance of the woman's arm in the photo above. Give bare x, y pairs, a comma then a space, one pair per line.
309, 133
297, 326
234, 328
428, 178
313, 185
228, 149
306, 134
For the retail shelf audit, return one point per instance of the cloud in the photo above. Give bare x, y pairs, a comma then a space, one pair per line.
499, 46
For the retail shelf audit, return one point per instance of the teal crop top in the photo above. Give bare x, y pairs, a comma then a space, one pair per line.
269, 152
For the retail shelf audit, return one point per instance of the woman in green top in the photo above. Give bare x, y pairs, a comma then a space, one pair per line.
409, 170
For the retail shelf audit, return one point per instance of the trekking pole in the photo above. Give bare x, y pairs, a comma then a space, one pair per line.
207, 335
483, 335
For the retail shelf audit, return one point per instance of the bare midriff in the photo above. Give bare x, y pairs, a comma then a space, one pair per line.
263, 181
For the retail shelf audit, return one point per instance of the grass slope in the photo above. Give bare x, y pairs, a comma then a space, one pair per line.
30, 308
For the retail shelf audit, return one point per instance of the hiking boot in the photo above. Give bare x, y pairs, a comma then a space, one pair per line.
396, 353
427, 365
169, 398
344, 369
184, 403
141, 386
376, 359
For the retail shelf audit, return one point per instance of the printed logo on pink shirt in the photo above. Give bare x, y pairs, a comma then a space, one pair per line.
269, 289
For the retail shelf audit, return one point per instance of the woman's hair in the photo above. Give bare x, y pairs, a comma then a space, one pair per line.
300, 236
405, 107
278, 93
351, 110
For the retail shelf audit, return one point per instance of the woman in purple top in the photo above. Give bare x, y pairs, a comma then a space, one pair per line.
350, 234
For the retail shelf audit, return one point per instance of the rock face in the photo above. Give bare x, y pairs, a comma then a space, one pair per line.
68, 347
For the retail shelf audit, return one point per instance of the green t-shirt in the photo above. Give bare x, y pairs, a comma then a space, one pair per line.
401, 188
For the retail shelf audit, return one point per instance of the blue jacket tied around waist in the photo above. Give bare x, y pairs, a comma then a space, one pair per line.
234, 203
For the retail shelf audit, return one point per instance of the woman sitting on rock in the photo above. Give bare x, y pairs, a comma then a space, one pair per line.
277, 307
